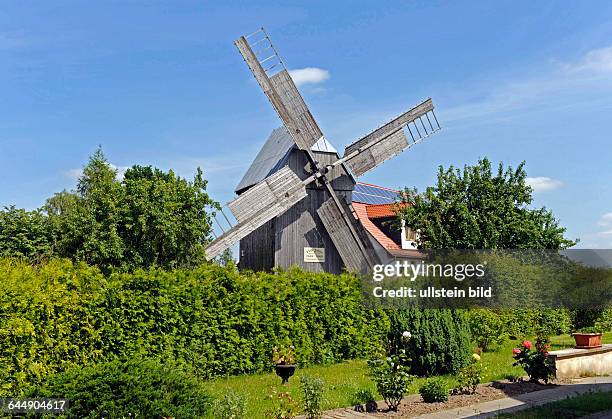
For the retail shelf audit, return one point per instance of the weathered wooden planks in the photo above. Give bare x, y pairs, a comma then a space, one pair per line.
365, 161
283, 188
285, 99
354, 256
306, 132
378, 153
261, 203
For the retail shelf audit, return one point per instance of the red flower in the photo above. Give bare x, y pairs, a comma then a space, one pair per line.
516, 351
527, 344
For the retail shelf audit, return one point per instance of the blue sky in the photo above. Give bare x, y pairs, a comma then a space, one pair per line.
161, 83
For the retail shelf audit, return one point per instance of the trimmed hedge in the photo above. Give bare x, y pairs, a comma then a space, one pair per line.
212, 319
135, 389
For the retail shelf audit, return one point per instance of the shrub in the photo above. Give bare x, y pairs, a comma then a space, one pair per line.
142, 388
535, 363
470, 376
312, 395
231, 406
213, 319
544, 322
283, 405
363, 396
434, 390
486, 328
390, 374
440, 342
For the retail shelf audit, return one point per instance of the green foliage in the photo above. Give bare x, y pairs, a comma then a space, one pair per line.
312, 396
283, 405
440, 342
142, 388
24, 233
604, 321
477, 209
585, 318
148, 218
363, 396
390, 373
470, 376
542, 322
434, 390
536, 363
213, 319
486, 328
231, 406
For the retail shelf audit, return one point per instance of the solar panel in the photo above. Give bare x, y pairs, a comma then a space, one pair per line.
369, 194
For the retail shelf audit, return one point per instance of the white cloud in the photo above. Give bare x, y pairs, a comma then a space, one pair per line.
594, 60
309, 75
543, 183
606, 220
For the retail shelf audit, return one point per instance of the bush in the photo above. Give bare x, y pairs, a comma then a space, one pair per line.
312, 395
213, 319
231, 406
142, 388
486, 328
536, 363
283, 405
543, 322
440, 342
470, 376
434, 390
390, 374
363, 396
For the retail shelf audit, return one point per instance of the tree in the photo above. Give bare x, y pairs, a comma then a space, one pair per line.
149, 218
24, 233
477, 209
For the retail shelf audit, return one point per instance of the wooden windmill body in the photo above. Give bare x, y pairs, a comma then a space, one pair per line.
294, 203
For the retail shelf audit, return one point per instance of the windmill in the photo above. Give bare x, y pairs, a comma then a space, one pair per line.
295, 203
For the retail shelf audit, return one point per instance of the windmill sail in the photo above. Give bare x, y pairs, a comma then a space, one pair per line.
264, 201
281, 90
390, 140
349, 240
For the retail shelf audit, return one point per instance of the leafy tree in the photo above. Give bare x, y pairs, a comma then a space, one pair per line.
85, 222
163, 219
478, 209
23, 233
148, 218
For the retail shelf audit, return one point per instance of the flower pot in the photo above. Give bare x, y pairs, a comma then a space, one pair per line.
284, 371
587, 340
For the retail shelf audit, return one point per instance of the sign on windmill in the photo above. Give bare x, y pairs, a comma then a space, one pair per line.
294, 203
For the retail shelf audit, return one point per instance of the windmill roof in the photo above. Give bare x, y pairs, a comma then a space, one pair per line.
273, 156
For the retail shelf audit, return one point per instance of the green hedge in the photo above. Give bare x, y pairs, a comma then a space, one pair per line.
133, 389
212, 319
440, 341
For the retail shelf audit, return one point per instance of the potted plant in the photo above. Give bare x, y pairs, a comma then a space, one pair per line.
587, 338
284, 362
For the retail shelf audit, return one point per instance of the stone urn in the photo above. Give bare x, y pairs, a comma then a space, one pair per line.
285, 371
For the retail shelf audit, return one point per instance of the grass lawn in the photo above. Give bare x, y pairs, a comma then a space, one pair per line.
344, 379
574, 407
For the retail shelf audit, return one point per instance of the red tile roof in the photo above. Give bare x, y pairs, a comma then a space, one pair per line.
381, 210
361, 211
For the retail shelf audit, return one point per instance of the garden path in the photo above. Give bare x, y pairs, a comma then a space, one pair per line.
494, 407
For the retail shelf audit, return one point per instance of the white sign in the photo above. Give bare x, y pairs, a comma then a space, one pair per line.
314, 254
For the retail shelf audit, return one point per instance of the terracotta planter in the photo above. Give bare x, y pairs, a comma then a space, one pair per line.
587, 340
284, 371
